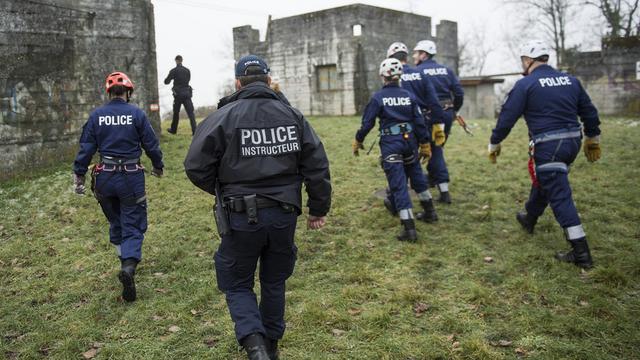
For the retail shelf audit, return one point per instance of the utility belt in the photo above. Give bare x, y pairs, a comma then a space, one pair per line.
111, 164
250, 204
551, 166
446, 104
557, 135
397, 129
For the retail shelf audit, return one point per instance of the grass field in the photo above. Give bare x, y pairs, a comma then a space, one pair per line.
356, 292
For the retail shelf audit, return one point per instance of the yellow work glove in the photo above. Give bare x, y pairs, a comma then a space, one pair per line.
438, 135
357, 145
494, 151
425, 153
592, 148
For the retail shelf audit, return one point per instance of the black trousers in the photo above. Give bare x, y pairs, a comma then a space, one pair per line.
272, 242
178, 101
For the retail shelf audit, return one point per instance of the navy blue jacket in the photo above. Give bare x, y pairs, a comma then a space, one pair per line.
117, 129
550, 100
422, 88
393, 105
444, 81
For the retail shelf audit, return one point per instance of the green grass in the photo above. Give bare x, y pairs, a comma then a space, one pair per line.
355, 288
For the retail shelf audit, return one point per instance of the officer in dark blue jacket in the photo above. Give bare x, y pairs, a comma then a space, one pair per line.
403, 141
450, 95
119, 131
259, 151
182, 93
425, 95
551, 102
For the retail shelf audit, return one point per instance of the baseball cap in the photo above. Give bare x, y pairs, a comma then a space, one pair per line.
250, 60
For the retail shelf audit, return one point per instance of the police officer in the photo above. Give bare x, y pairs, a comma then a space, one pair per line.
119, 131
403, 140
182, 93
551, 102
260, 151
451, 96
422, 89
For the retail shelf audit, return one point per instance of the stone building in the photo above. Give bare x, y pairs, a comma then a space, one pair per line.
611, 75
480, 99
54, 57
327, 61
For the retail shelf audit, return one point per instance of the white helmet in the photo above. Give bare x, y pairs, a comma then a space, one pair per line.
391, 68
397, 47
427, 46
534, 49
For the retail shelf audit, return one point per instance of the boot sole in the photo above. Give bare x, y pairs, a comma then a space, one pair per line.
421, 217
128, 286
560, 257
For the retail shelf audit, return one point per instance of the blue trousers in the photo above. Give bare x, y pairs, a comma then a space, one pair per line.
272, 242
552, 160
437, 166
121, 199
399, 162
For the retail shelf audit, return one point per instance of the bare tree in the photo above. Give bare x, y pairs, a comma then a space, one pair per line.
620, 15
473, 51
552, 17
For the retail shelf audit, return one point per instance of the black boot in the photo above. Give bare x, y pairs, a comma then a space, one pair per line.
409, 233
528, 222
126, 277
579, 255
272, 349
429, 214
445, 198
255, 347
390, 207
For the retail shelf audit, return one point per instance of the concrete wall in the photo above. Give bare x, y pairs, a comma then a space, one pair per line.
295, 45
609, 76
54, 57
480, 99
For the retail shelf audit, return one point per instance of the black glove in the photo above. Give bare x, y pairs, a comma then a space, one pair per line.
78, 182
157, 172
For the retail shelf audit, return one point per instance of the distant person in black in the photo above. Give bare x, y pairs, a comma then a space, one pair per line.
182, 93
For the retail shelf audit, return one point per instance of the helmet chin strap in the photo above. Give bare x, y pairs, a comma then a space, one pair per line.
526, 72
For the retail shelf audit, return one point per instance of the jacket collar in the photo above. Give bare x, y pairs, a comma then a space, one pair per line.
254, 90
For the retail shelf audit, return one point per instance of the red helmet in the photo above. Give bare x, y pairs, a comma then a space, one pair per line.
118, 78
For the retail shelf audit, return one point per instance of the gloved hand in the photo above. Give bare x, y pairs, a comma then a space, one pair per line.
78, 182
157, 172
425, 153
438, 135
357, 145
592, 148
494, 151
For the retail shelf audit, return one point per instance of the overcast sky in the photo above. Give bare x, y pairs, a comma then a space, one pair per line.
201, 31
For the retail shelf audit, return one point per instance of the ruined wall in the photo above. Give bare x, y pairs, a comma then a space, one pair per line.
295, 46
54, 57
609, 76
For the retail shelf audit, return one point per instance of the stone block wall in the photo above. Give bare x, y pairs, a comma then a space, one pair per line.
609, 76
54, 57
295, 46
